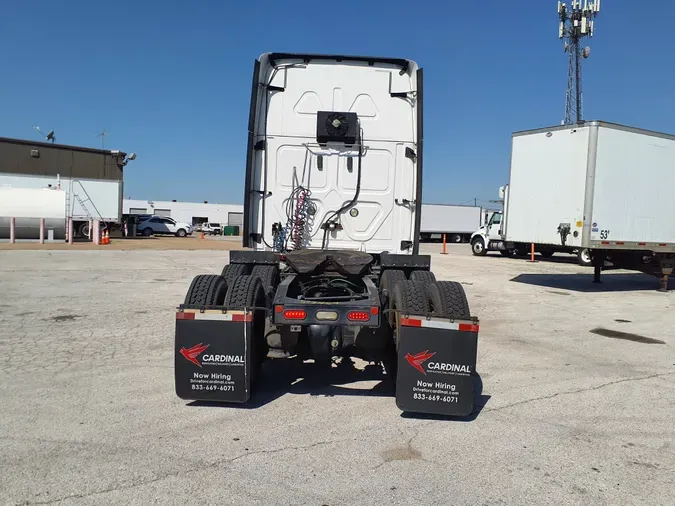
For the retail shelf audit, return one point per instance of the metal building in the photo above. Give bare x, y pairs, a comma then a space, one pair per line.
192, 213
92, 180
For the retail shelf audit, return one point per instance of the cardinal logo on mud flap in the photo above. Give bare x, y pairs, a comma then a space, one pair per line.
418, 359
192, 353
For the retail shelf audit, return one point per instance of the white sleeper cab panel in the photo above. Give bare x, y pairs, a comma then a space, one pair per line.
547, 185
634, 197
286, 118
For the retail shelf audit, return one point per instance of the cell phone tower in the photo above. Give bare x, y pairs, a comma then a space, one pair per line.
576, 23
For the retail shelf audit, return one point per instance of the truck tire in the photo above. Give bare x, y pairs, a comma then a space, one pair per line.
231, 271
206, 290
520, 250
423, 276
411, 298
478, 247
83, 229
456, 238
584, 257
448, 300
390, 279
269, 276
246, 292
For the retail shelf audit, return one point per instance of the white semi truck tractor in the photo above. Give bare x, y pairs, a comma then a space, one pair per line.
332, 269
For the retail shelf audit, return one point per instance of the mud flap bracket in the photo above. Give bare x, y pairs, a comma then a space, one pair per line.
213, 355
436, 365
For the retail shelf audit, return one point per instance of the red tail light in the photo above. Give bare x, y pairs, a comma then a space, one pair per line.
295, 314
358, 316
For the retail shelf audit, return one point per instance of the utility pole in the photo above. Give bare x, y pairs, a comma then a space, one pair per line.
576, 22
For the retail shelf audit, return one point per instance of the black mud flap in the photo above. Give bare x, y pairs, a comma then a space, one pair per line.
436, 365
212, 359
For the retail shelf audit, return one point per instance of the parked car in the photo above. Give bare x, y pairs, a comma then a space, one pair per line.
212, 228
159, 225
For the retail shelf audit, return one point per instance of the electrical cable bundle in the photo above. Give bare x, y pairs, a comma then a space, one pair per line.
297, 215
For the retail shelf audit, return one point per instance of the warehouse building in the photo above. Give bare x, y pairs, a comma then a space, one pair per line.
193, 213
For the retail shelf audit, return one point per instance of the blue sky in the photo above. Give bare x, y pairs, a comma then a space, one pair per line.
171, 80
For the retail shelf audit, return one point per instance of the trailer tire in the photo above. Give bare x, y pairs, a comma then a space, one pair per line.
206, 290
411, 298
478, 247
448, 300
423, 276
231, 271
269, 276
83, 229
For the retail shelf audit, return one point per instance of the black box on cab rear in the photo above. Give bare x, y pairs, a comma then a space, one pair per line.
212, 356
436, 366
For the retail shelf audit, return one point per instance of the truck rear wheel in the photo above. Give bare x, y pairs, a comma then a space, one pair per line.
269, 276
423, 276
448, 300
456, 238
206, 290
388, 281
478, 247
246, 292
411, 298
231, 271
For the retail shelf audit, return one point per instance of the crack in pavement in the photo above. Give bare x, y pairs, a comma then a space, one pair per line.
184, 472
581, 390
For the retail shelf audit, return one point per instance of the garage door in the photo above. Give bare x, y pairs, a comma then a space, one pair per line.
138, 210
163, 213
235, 219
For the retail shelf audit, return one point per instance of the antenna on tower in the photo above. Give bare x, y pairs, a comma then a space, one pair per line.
576, 23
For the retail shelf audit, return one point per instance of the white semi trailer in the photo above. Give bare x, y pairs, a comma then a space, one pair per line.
594, 187
456, 222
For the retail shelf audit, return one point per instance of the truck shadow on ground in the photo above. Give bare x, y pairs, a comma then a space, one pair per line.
289, 376
623, 282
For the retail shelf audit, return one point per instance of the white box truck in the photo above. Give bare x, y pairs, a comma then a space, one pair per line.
455, 221
332, 222
597, 187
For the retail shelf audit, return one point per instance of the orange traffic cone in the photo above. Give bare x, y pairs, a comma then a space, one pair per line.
107, 237
202, 235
